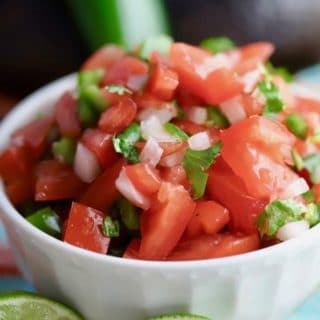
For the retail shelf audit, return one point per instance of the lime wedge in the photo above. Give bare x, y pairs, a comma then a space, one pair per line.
179, 316
28, 306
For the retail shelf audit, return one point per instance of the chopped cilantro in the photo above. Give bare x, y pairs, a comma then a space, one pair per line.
218, 44
175, 131
118, 89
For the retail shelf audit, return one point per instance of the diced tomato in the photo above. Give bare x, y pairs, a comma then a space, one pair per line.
209, 217
15, 162
132, 251
55, 181
84, 229
165, 222
175, 175
144, 178
158, 58
104, 58
228, 189
303, 104
163, 82
256, 149
34, 135
102, 192
100, 143
118, 117
217, 246
21, 190
251, 55
66, 116
316, 189
203, 74
124, 69
189, 127
186, 99
251, 105
147, 100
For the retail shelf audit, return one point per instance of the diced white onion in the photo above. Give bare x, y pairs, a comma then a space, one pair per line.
151, 153
234, 109
172, 159
197, 115
136, 82
128, 190
212, 63
164, 115
86, 165
292, 230
199, 141
153, 128
250, 79
305, 92
296, 188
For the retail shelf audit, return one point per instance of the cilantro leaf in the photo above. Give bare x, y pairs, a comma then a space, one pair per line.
297, 125
277, 213
118, 89
160, 43
312, 164
313, 214
309, 196
110, 228
125, 141
283, 72
273, 103
216, 118
196, 163
218, 44
175, 131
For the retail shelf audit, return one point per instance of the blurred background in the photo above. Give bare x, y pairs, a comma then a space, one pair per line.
41, 40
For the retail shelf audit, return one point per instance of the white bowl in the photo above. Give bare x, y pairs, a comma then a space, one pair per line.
265, 284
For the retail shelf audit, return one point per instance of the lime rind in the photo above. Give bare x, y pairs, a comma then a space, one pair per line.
179, 316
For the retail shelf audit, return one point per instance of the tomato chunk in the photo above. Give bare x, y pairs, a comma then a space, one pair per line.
190, 127
84, 229
100, 143
66, 116
204, 75
163, 82
164, 224
209, 217
55, 181
217, 246
144, 178
21, 190
34, 135
118, 117
102, 192
229, 190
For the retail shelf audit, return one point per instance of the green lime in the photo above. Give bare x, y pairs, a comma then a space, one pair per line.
179, 316
28, 306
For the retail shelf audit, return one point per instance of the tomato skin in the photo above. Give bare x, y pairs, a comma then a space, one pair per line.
189, 127
55, 181
144, 178
132, 251
175, 175
66, 116
163, 82
118, 117
100, 143
101, 193
251, 55
209, 217
104, 58
34, 135
217, 246
229, 190
186, 99
199, 73
84, 229
316, 189
21, 190
163, 225
123, 69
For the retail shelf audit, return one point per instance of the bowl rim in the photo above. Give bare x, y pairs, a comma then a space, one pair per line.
49, 91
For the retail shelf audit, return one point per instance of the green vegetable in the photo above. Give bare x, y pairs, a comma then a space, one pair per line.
110, 228
46, 220
312, 164
297, 160
179, 316
216, 118
309, 196
118, 89
64, 149
297, 125
92, 96
216, 45
175, 131
160, 43
196, 163
277, 213
125, 141
129, 214
284, 73
90, 77
313, 214
88, 116
273, 104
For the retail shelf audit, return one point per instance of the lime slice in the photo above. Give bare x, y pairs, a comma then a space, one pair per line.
28, 306
179, 316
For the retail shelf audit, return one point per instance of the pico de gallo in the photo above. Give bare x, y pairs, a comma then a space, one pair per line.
172, 152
